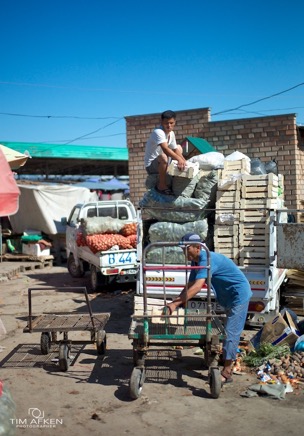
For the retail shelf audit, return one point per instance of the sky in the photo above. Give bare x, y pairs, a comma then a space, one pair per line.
71, 70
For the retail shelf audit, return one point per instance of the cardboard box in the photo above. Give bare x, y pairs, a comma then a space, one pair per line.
280, 330
35, 250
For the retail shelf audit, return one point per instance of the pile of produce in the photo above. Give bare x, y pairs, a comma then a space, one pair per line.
122, 236
278, 362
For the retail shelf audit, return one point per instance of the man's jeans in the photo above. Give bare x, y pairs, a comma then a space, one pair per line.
234, 325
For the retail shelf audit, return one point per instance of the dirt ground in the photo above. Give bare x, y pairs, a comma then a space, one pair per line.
93, 395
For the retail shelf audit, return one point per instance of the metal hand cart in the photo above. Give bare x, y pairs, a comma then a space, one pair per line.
192, 328
49, 324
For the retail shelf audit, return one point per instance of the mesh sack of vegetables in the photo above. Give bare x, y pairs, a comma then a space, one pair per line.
129, 229
170, 208
166, 255
206, 188
92, 226
106, 242
184, 187
132, 239
173, 232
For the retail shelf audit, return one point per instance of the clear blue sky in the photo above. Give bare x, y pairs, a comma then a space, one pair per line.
71, 70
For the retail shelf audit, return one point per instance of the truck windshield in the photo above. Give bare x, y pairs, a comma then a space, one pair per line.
112, 211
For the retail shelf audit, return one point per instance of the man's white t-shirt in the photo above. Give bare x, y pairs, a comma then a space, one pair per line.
153, 149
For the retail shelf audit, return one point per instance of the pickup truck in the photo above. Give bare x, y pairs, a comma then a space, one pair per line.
105, 265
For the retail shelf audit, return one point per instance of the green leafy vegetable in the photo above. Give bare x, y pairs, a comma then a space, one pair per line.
265, 352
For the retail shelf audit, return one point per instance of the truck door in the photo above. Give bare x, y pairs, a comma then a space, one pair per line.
290, 243
71, 231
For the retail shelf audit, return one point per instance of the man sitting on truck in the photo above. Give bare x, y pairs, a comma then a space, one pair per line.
161, 146
231, 288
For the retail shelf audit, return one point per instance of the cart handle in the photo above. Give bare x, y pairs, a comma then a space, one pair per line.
67, 288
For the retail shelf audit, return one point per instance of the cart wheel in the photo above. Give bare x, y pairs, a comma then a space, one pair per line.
138, 358
45, 343
64, 361
215, 381
76, 271
101, 342
136, 382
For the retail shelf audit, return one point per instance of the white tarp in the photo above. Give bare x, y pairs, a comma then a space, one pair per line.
41, 207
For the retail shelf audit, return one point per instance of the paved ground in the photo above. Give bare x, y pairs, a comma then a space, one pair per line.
93, 395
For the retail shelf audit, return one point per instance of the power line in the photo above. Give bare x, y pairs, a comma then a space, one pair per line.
260, 99
91, 133
59, 116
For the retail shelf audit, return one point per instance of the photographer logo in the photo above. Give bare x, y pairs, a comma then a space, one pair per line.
36, 419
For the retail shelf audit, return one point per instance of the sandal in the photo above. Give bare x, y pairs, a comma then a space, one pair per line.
227, 377
164, 191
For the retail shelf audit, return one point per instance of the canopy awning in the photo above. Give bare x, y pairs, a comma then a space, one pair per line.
111, 185
13, 157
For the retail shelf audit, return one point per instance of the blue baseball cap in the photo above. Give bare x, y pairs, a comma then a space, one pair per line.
191, 238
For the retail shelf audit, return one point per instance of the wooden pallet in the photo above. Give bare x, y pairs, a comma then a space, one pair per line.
25, 258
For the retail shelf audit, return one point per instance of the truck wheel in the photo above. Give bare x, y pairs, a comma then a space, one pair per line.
97, 279
76, 271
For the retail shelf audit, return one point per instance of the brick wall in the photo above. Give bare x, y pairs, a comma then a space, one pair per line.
273, 137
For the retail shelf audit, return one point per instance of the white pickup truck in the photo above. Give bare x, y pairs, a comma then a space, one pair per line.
105, 266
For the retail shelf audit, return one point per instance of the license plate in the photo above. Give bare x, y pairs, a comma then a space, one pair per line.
119, 259
130, 271
202, 306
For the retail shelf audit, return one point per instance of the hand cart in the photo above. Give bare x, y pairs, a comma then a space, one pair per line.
192, 328
49, 324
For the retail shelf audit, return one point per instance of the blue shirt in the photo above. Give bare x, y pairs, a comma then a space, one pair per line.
230, 285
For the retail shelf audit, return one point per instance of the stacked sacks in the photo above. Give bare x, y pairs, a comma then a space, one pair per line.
187, 210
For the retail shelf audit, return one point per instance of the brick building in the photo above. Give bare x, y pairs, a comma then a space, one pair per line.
272, 137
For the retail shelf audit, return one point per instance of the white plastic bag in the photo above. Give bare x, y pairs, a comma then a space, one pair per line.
209, 161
